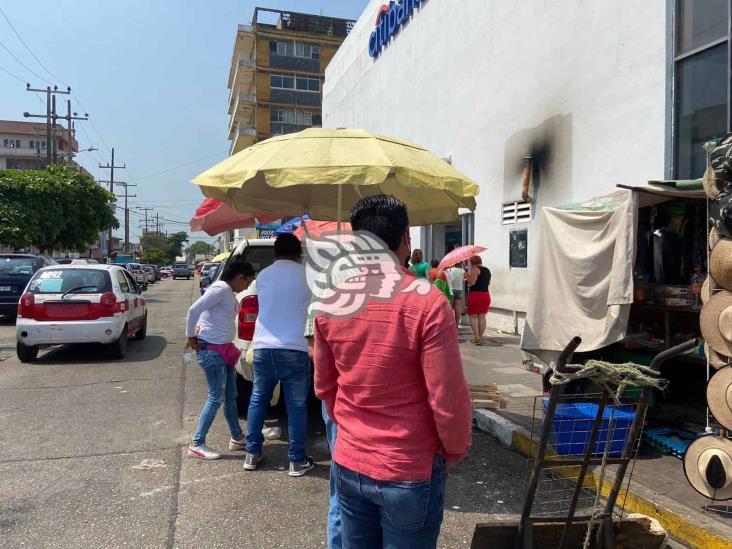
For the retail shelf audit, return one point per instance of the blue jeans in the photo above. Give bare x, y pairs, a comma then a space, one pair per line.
292, 369
221, 388
393, 514
334, 512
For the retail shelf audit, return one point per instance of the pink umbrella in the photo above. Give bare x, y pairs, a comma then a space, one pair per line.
214, 217
314, 229
458, 255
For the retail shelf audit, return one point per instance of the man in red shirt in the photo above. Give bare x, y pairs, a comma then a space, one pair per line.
391, 378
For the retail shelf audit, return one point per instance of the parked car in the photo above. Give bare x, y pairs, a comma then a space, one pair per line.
181, 270
210, 275
138, 274
15, 272
152, 275
165, 272
80, 303
260, 253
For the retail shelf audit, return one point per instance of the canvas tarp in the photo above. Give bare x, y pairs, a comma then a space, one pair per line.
583, 280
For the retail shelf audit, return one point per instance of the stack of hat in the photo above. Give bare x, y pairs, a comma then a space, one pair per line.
708, 460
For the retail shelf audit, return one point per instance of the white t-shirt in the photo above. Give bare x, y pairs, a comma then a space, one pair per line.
456, 278
283, 298
214, 312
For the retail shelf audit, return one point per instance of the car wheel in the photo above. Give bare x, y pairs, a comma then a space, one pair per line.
142, 332
119, 347
188, 278
26, 353
243, 395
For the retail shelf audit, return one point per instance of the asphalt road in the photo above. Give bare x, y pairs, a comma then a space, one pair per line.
93, 455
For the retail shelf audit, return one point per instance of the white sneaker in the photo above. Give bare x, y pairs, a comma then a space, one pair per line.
238, 443
202, 452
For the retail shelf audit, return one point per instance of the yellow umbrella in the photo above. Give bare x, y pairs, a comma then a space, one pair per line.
221, 257
296, 173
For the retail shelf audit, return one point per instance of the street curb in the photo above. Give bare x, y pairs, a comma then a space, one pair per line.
518, 439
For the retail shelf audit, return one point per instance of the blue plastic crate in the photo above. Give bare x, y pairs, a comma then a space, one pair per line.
573, 422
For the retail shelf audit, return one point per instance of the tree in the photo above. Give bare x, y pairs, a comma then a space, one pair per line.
199, 248
58, 208
154, 256
175, 245
154, 240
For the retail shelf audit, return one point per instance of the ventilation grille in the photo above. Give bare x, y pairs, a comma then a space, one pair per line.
516, 212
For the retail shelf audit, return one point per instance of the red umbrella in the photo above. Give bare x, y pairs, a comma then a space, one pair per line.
458, 255
214, 217
314, 229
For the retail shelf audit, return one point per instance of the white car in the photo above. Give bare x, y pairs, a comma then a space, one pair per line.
80, 303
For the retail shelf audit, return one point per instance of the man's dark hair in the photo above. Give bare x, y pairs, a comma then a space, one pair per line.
287, 246
435, 263
237, 266
382, 215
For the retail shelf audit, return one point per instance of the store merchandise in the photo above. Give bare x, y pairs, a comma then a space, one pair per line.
719, 396
716, 360
708, 467
716, 322
720, 264
712, 185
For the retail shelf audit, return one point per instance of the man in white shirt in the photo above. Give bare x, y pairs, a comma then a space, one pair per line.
281, 353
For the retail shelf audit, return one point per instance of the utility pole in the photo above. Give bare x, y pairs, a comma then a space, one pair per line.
157, 223
70, 130
111, 167
50, 117
127, 211
145, 210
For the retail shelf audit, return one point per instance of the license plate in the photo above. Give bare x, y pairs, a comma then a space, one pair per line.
6, 288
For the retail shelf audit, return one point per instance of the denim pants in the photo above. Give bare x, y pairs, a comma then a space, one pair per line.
334, 512
391, 514
221, 388
292, 369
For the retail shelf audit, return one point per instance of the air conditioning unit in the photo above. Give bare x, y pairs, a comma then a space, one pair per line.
516, 212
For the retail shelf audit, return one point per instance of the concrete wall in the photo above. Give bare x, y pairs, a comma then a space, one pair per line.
579, 85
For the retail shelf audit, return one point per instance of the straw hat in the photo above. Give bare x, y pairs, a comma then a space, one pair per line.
712, 185
716, 322
716, 360
720, 264
714, 237
719, 397
708, 467
706, 290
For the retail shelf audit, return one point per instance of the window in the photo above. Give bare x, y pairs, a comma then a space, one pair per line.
289, 82
12, 164
305, 83
124, 285
701, 72
11, 143
130, 282
290, 116
285, 48
307, 51
516, 212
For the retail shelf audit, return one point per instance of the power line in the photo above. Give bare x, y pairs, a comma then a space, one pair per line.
34, 73
179, 166
28, 48
6, 71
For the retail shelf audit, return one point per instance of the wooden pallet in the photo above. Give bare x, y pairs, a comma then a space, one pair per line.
485, 396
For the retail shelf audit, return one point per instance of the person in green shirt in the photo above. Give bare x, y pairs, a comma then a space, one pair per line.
418, 265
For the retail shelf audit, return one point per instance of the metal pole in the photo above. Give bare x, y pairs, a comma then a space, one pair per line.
48, 125
53, 129
111, 190
340, 205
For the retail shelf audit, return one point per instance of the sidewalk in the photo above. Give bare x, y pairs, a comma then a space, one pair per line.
659, 487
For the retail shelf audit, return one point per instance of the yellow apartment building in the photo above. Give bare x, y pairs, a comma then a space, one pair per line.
277, 72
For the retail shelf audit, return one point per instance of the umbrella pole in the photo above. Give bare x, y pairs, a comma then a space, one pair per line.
340, 205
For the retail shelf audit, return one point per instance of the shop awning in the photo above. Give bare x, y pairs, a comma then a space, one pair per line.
655, 192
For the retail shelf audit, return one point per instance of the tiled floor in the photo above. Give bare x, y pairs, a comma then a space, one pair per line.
657, 478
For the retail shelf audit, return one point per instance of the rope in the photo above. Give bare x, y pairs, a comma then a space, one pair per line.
613, 377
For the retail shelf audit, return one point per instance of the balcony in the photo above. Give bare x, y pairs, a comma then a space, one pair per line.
243, 49
243, 113
242, 138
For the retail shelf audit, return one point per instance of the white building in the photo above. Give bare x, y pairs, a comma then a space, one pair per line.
587, 89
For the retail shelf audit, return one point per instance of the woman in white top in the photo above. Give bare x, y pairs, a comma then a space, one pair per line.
210, 329
456, 279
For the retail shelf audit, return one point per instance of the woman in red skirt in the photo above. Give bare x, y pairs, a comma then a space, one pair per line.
479, 298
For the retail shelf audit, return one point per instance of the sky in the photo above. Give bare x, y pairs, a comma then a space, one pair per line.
152, 76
